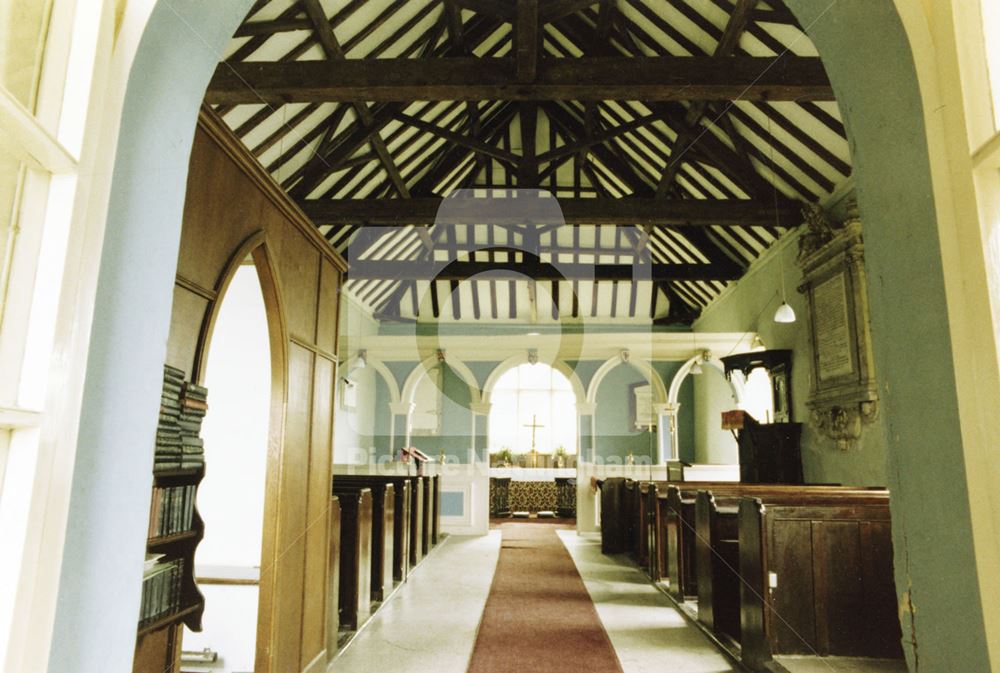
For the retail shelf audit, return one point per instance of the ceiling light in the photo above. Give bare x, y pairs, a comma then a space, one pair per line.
757, 344
784, 314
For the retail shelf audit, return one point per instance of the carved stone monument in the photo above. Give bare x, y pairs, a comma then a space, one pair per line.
844, 394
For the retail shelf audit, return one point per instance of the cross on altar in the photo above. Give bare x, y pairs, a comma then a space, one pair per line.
534, 425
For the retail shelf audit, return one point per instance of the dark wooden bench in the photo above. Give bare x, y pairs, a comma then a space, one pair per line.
427, 540
613, 523
817, 579
333, 578
383, 533
410, 490
436, 514
355, 558
725, 551
672, 525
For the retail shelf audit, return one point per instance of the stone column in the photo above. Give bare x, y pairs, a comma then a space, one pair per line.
480, 430
667, 446
585, 431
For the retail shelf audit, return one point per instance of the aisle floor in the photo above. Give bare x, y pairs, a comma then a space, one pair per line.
430, 623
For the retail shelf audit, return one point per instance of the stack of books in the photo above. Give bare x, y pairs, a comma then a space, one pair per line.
161, 588
172, 511
194, 406
168, 432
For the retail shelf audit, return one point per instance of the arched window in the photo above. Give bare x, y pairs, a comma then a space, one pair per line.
758, 398
533, 394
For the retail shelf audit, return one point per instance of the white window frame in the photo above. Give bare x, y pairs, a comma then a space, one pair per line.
48, 142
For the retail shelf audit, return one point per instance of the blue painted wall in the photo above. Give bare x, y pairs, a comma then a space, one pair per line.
614, 438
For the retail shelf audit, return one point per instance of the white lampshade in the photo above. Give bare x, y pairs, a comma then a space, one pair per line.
784, 313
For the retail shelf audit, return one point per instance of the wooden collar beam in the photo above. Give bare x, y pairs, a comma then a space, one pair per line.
625, 212
664, 78
417, 270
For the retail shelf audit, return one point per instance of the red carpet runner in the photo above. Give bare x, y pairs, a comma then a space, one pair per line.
539, 617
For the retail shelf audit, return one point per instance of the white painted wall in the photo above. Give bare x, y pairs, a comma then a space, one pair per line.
231, 496
712, 396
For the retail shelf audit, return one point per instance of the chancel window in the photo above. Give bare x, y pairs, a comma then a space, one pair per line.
533, 401
758, 396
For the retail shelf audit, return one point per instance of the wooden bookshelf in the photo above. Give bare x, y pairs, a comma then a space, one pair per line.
169, 620
158, 641
159, 543
181, 545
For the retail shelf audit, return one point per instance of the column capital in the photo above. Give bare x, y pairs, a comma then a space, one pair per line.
667, 408
586, 408
401, 408
480, 408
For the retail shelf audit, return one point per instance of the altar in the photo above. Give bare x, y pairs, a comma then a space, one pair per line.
533, 490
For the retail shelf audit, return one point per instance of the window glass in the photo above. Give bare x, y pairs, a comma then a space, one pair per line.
23, 26
758, 400
533, 395
10, 178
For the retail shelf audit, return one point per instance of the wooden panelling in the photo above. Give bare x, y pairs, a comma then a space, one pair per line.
298, 266
233, 209
321, 450
292, 527
326, 325
185, 324
876, 553
794, 596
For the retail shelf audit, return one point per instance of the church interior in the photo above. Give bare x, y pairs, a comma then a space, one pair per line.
499, 335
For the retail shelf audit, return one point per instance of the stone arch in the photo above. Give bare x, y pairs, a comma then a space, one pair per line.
675, 384
646, 369
382, 370
517, 360
900, 160
457, 366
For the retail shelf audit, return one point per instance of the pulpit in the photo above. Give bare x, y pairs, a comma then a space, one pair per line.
770, 453
412, 454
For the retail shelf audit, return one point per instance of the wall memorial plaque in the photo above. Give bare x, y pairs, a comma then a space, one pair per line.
843, 396
833, 341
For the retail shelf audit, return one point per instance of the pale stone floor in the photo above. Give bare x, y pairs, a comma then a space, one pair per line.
430, 623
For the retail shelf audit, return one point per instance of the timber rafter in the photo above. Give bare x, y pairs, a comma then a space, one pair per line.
663, 149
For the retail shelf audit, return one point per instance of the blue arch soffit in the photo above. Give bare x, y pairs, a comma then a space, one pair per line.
179, 50
867, 55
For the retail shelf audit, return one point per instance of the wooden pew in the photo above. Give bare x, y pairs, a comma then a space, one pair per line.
631, 516
675, 543
613, 538
718, 549
817, 578
428, 515
436, 516
333, 579
411, 489
355, 558
717, 562
672, 537
383, 533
